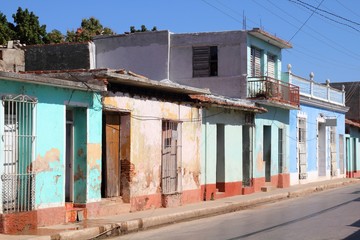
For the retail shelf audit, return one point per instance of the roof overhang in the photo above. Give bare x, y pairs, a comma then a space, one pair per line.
352, 123
269, 38
271, 103
51, 81
126, 78
220, 101
322, 104
114, 77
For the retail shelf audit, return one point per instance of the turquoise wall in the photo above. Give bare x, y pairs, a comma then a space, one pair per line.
276, 118
232, 121
352, 155
50, 141
266, 48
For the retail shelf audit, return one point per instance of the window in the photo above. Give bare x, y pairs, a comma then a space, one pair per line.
18, 183
302, 130
171, 158
255, 62
302, 148
271, 65
205, 61
332, 135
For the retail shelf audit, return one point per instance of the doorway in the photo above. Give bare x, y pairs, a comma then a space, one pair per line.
322, 149
220, 158
116, 165
69, 161
247, 136
267, 152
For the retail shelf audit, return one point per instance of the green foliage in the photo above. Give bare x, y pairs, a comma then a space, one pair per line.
6, 30
89, 28
28, 29
55, 36
143, 28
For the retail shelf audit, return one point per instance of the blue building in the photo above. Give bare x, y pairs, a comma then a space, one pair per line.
317, 131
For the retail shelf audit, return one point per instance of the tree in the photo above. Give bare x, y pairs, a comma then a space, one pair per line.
55, 36
28, 29
6, 30
143, 28
89, 28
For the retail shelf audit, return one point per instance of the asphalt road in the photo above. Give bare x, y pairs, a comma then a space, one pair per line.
332, 214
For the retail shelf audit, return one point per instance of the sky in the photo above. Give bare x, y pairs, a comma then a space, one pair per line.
324, 41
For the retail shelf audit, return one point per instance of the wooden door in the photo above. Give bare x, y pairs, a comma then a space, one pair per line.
112, 145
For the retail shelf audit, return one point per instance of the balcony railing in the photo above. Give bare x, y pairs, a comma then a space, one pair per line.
267, 88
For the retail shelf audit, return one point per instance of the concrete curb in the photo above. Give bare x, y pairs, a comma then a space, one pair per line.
134, 225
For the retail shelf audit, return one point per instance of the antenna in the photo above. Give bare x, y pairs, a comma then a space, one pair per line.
244, 20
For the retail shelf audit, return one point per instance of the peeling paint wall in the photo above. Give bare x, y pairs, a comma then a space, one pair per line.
146, 141
49, 162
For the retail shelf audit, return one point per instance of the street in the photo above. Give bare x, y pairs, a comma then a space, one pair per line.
332, 214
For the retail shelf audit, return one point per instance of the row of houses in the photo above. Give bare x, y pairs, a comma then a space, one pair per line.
156, 119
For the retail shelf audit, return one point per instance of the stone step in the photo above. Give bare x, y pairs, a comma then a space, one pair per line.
75, 215
267, 188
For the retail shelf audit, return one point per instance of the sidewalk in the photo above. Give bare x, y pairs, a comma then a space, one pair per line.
124, 223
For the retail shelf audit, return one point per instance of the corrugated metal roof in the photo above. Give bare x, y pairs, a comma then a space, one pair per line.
120, 76
234, 103
354, 123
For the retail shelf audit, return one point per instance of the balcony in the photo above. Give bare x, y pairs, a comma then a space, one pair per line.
273, 92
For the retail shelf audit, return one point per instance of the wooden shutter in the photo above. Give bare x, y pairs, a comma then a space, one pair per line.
201, 59
271, 66
255, 62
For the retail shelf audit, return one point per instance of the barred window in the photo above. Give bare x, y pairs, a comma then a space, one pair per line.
18, 183
171, 158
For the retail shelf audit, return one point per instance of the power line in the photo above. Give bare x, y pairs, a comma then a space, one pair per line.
305, 21
330, 13
223, 12
314, 11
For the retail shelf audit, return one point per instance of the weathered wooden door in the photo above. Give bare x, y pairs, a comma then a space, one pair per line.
112, 155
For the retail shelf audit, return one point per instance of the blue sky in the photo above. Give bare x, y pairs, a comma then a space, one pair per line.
329, 49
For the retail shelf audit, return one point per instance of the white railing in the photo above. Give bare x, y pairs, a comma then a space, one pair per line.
323, 92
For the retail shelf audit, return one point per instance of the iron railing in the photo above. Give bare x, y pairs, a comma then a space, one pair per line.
273, 89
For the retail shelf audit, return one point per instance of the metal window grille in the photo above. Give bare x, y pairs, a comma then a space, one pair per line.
333, 154
302, 148
171, 158
18, 179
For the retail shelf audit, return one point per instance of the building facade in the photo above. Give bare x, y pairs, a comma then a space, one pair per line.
50, 149
317, 136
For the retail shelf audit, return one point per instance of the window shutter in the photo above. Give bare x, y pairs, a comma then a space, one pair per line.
201, 58
271, 66
255, 62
